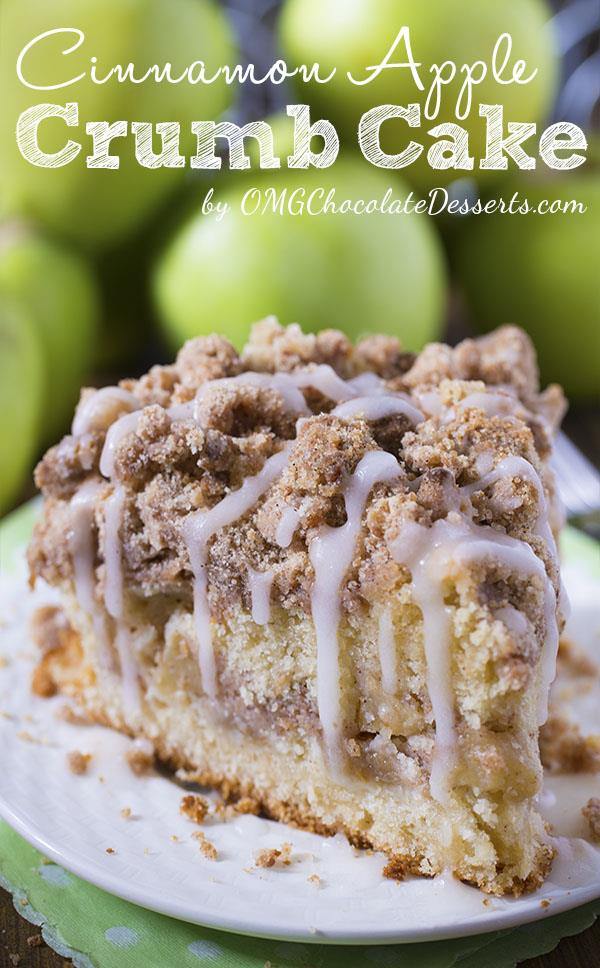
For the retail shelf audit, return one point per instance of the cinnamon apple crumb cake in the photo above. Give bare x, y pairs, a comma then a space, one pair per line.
323, 576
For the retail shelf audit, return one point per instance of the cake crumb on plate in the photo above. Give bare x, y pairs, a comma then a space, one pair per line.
207, 847
78, 762
194, 807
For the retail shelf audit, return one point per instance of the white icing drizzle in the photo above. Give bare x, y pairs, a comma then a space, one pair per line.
113, 580
284, 383
289, 521
198, 529
386, 642
113, 597
430, 554
492, 404
83, 552
430, 401
260, 583
513, 619
377, 407
331, 553
97, 410
322, 378
519, 467
367, 384
420, 549
515, 466
127, 424
181, 411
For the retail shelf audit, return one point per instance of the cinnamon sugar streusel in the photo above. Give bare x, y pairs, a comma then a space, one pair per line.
170, 466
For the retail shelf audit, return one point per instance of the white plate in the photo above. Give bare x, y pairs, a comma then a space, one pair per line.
156, 863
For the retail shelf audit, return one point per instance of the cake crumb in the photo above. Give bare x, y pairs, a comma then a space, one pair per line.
78, 762
140, 757
246, 805
26, 736
314, 879
207, 847
3, 661
69, 714
486, 902
34, 941
591, 812
564, 748
544, 903
174, 838
274, 856
14, 959
576, 660
42, 682
126, 813
110, 850
194, 807
396, 868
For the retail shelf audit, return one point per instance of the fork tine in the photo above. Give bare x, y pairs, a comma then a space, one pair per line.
577, 479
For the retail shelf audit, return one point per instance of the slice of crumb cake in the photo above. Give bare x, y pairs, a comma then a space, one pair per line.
323, 576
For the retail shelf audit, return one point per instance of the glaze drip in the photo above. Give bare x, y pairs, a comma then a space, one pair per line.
331, 553
431, 555
100, 409
114, 597
198, 529
260, 583
83, 552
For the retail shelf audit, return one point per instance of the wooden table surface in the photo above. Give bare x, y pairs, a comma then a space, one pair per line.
20, 941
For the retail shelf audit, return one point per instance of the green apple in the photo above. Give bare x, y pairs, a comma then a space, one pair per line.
21, 389
57, 291
541, 272
353, 36
359, 273
101, 206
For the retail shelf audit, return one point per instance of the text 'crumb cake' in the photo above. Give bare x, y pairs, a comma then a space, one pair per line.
323, 576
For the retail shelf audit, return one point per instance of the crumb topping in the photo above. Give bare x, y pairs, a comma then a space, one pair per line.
176, 460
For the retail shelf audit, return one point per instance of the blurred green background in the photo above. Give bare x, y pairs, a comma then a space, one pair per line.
103, 273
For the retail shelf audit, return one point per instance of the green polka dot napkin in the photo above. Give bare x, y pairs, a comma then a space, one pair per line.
97, 930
